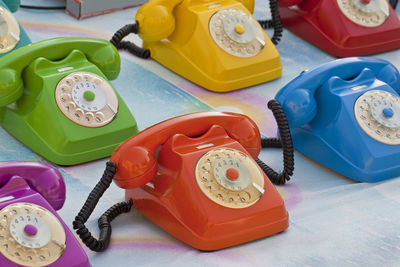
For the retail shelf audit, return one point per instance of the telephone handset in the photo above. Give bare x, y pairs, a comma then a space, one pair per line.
345, 114
198, 177
66, 110
32, 232
215, 44
343, 28
12, 35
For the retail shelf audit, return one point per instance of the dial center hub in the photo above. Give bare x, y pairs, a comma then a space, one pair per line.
239, 28
30, 230
89, 95
232, 174
388, 112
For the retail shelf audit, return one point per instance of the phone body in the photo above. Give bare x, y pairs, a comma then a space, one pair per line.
195, 177
345, 114
65, 108
343, 28
35, 235
12, 35
215, 44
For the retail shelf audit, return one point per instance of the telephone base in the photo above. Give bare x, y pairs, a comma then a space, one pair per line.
375, 169
211, 236
54, 144
238, 77
335, 36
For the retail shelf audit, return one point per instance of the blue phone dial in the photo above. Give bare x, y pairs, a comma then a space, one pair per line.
345, 114
12, 35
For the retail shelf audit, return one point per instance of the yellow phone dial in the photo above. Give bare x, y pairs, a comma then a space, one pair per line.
215, 44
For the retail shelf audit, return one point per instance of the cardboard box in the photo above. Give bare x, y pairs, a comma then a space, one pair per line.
86, 8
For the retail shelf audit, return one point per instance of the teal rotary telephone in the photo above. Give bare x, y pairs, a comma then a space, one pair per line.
12, 35
65, 108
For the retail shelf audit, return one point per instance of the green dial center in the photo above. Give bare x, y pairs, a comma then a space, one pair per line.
89, 95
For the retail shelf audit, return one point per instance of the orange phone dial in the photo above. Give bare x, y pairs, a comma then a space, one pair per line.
198, 177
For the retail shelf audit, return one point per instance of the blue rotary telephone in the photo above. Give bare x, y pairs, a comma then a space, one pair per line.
345, 114
12, 35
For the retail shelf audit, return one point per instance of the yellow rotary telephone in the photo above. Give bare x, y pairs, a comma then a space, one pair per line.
215, 44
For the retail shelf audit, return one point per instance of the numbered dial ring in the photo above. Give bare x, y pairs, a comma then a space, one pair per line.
378, 114
9, 31
237, 32
230, 178
368, 13
86, 99
30, 235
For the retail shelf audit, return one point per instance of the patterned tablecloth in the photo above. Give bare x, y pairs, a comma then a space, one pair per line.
333, 220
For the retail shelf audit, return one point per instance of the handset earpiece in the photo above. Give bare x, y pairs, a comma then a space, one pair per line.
136, 166
11, 86
300, 107
390, 75
156, 20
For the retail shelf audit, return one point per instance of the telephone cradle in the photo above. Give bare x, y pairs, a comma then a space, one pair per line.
215, 44
197, 177
32, 233
343, 28
12, 35
65, 108
345, 115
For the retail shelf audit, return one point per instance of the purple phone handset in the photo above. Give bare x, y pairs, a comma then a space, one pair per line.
31, 232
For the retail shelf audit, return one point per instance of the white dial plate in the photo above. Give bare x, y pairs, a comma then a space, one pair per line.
21, 222
9, 31
230, 178
86, 99
237, 32
30, 235
366, 14
378, 114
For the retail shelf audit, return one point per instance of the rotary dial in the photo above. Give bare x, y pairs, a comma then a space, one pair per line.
378, 114
229, 178
237, 32
368, 13
86, 99
9, 31
30, 235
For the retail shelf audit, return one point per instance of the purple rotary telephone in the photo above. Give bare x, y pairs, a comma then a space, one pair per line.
31, 232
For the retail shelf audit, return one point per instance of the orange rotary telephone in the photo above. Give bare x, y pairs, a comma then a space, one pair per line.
344, 28
198, 177
216, 44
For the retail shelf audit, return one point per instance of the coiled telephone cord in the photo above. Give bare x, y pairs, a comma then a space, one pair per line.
116, 40
285, 142
104, 221
274, 23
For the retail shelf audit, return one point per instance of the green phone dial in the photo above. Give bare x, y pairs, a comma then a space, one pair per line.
65, 108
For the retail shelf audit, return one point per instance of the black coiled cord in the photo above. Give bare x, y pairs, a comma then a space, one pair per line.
274, 23
116, 40
285, 142
104, 221
393, 3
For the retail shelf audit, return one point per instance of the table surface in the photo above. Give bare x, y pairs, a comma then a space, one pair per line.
333, 220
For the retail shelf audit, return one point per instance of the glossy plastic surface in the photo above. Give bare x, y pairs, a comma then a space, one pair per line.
30, 76
23, 37
26, 182
319, 105
172, 198
322, 23
134, 170
190, 51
